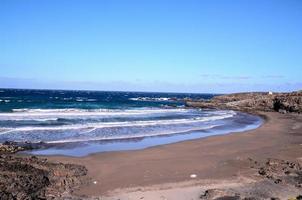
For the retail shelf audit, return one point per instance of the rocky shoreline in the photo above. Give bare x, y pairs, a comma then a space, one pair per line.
271, 174
36, 178
252, 102
272, 171
25, 177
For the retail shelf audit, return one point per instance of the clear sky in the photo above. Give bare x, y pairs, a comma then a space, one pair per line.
152, 45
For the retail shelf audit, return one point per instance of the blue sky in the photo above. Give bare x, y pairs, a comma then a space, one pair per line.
152, 45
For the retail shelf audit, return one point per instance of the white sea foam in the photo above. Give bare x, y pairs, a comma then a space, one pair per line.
46, 114
67, 99
150, 99
34, 119
71, 111
93, 126
120, 137
38, 114
106, 124
91, 100
28, 110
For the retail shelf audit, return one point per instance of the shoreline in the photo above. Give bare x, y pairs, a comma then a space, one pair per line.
219, 158
81, 149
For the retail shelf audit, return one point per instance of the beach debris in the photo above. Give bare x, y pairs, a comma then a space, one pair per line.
95, 182
193, 176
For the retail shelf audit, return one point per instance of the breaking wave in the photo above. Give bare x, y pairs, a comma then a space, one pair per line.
59, 125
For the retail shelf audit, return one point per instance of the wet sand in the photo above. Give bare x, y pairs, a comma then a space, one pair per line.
217, 161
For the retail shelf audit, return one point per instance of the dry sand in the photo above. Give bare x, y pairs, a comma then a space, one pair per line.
164, 172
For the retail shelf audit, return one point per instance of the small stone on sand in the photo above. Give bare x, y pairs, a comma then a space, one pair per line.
193, 176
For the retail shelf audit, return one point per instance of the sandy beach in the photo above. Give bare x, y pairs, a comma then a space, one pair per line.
185, 170
150, 100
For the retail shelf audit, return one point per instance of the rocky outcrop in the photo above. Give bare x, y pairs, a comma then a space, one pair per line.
11, 147
219, 194
291, 102
280, 171
36, 178
8, 149
274, 177
280, 102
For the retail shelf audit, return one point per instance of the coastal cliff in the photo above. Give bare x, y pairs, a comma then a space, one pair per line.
255, 101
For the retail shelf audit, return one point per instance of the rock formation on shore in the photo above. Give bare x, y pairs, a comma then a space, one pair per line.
29, 178
256, 101
272, 175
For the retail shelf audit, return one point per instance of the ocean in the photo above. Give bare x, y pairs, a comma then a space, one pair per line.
78, 123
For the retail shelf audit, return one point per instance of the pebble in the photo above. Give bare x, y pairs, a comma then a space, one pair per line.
193, 176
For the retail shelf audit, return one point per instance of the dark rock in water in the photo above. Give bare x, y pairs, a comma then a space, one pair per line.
36, 178
256, 101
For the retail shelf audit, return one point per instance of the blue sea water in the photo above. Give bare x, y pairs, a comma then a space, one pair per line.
78, 123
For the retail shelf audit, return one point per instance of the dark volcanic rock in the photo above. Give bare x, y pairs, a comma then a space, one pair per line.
219, 194
273, 177
35, 178
8, 148
280, 171
280, 102
291, 102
